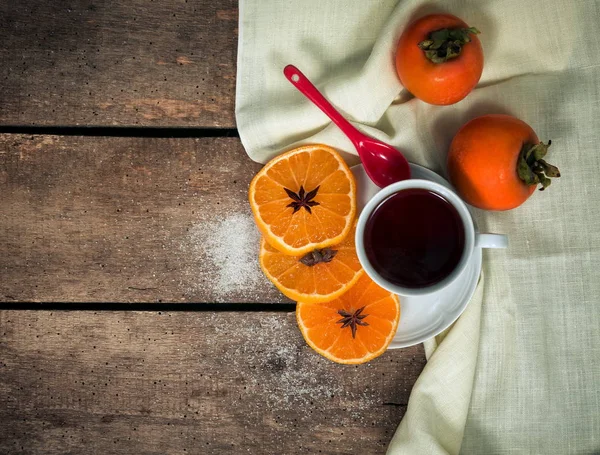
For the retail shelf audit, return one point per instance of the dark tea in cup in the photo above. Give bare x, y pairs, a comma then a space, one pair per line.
414, 238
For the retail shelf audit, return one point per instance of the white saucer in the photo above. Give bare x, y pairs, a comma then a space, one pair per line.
424, 317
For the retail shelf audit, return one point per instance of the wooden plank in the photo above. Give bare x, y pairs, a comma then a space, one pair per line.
107, 219
118, 62
129, 382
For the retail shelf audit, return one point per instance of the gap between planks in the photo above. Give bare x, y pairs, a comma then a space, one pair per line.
149, 307
120, 131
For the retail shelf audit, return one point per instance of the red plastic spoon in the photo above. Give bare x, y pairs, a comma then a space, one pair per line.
383, 163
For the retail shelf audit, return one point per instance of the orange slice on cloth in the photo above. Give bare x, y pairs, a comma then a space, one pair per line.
304, 200
354, 328
318, 276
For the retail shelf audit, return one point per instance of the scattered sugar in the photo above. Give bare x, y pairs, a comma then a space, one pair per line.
271, 361
292, 375
231, 245
225, 258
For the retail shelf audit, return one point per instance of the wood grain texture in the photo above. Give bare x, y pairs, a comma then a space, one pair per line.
149, 383
118, 62
101, 219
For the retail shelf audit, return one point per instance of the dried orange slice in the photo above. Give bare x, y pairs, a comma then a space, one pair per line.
304, 200
354, 328
318, 276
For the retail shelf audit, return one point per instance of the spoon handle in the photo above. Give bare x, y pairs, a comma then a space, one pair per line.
306, 87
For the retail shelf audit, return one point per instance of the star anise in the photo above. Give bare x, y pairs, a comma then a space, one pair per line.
352, 320
302, 199
317, 256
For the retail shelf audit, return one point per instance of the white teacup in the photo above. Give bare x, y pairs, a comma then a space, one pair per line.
472, 239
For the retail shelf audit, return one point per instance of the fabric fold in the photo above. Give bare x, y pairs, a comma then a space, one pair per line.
439, 402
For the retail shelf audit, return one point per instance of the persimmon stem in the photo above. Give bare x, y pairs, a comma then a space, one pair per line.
446, 44
532, 168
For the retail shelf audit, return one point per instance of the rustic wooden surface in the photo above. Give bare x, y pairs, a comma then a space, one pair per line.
149, 383
108, 219
118, 62
146, 220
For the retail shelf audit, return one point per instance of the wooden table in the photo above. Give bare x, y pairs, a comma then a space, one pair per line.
129, 324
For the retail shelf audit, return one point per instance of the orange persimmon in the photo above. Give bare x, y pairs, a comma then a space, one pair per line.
496, 161
439, 59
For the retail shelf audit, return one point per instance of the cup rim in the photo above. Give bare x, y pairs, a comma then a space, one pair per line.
446, 193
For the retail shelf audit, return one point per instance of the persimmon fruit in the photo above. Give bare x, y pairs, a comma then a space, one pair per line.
496, 162
439, 59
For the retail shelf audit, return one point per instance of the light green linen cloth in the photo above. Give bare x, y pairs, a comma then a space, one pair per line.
519, 372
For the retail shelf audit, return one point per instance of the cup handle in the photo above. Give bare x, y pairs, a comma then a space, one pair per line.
491, 241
